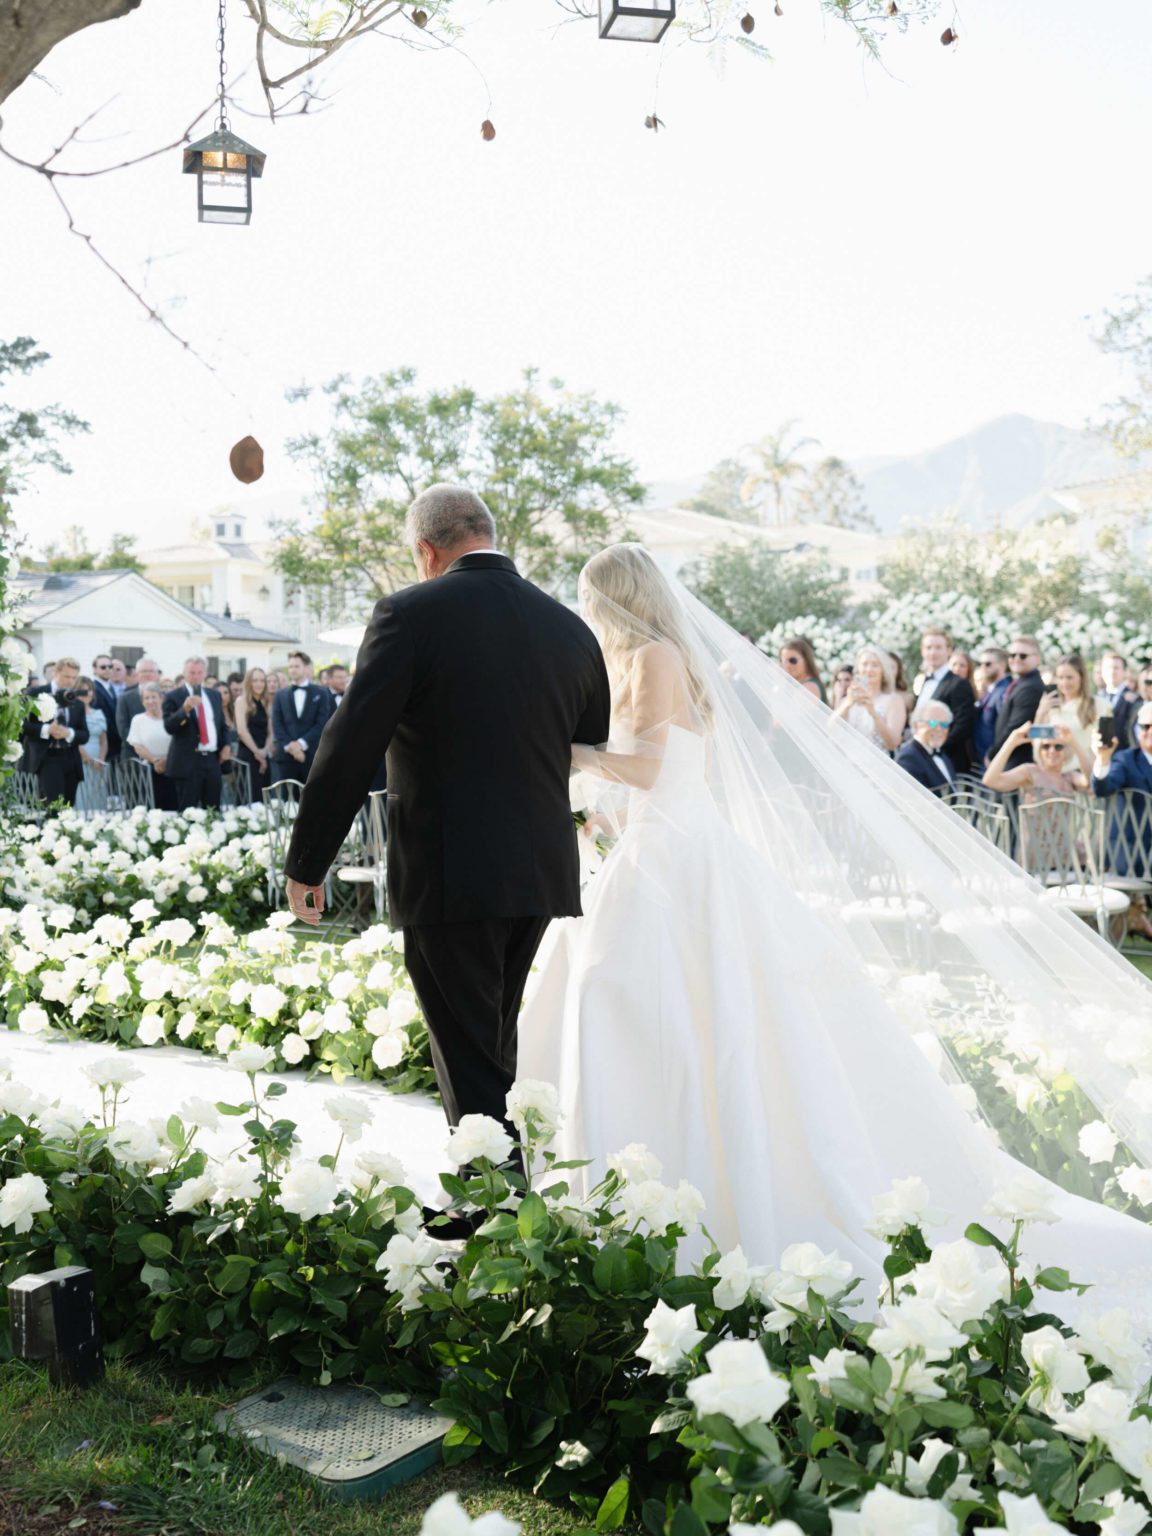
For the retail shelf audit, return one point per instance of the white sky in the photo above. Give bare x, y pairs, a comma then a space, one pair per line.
891, 256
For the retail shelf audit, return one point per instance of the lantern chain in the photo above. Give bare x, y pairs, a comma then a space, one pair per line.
222, 122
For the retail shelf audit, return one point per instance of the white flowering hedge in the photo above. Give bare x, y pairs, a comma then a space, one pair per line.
566, 1343
898, 625
183, 863
15, 659
347, 1010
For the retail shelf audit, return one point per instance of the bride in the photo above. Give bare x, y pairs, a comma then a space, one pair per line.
788, 950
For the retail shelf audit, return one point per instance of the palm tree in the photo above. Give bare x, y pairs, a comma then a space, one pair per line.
777, 466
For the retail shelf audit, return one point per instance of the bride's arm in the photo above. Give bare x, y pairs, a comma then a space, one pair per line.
656, 674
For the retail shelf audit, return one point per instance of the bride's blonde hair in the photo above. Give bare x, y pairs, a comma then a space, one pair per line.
629, 603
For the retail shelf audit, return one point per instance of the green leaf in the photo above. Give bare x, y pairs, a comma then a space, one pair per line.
459, 1443
175, 1130
156, 1279
233, 1109
195, 1351
240, 1345
981, 1236
686, 1522
532, 1219
848, 1395
274, 1091
944, 1475
1105, 1480
613, 1509
1054, 1279
619, 1270
154, 1245
946, 1415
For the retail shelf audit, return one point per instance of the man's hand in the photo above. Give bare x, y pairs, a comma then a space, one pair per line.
189, 704
1104, 750
57, 731
298, 894
225, 754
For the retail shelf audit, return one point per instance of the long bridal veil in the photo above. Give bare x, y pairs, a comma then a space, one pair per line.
980, 966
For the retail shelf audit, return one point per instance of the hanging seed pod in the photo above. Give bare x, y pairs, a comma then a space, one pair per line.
948, 37
247, 460
778, 8
487, 131
748, 23
654, 122
420, 18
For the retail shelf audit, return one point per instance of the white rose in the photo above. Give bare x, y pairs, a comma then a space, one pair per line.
1136, 1183
186, 1026
22, 1198
176, 931
336, 1018
804, 1267
294, 1048
669, 1336
150, 1030
250, 1057
478, 1136
266, 1001
1104, 1409
1022, 1517
238, 993
833, 1367
137, 1145
112, 930
739, 1384
1054, 1359
635, 1163
960, 1282
111, 1072
380, 977
1111, 1340
919, 1471
342, 986
371, 1165
311, 1024
387, 1052
884, 1512
448, 1517
689, 1204
33, 1020
403, 1008
649, 1202
16, 1099
1098, 1141
1025, 1197
408, 1264
235, 1180
226, 1037
308, 1190
733, 1276
199, 1113
190, 1194
915, 1324
197, 893
907, 1204
350, 1113
541, 1100
1127, 1518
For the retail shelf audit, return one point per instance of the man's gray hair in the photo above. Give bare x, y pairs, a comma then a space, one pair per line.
447, 515
190, 661
931, 709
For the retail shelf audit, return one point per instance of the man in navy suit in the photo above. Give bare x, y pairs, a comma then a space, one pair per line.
106, 699
1125, 701
923, 757
299, 714
1116, 769
194, 718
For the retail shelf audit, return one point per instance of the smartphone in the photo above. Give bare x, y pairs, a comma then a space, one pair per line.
1042, 733
1106, 725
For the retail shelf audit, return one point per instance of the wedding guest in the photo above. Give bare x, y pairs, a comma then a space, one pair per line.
235, 686
871, 705
841, 682
49, 673
947, 687
129, 703
1125, 701
322, 677
52, 746
105, 698
796, 657
1144, 683
299, 714
1021, 699
211, 681
903, 687
1117, 767
251, 710
338, 682
1074, 704
92, 794
151, 742
961, 663
1050, 769
923, 757
194, 719
992, 683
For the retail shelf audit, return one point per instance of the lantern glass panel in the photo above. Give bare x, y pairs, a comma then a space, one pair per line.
636, 21
225, 197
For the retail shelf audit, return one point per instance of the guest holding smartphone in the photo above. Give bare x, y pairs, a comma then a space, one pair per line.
872, 705
1051, 772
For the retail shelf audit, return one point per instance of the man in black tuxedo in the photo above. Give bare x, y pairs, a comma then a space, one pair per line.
194, 718
477, 684
52, 746
105, 698
1021, 699
299, 714
925, 756
130, 704
944, 686
1125, 701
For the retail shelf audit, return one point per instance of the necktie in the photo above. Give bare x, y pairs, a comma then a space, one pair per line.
201, 722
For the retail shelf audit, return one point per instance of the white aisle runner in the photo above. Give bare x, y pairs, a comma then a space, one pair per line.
409, 1126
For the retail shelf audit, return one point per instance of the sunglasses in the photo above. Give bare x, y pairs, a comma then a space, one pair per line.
1020, 655
1147, 726
936, 725
1051, 746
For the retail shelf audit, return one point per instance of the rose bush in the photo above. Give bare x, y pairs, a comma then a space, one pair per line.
183, 864
565, 1343
347, 1010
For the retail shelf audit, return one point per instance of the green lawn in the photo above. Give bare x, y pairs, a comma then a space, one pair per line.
148, 1447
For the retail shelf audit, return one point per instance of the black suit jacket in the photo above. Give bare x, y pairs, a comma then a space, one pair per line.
105, 699
1124, 713
128, 706
1018, 708
182, 728
288, 726
477, 684
957, 693
37, 750
924, 768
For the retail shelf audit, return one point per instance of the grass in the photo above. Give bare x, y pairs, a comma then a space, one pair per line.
146, 1445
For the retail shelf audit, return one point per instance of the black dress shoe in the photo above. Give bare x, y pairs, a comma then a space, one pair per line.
452, 1226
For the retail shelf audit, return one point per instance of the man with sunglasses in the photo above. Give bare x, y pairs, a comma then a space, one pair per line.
1021, 698
923, 757
1124, 700
994, 682
106, 700
1116, 767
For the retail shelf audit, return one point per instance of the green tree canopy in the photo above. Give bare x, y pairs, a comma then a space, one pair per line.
542, 457
27, 434
754, 588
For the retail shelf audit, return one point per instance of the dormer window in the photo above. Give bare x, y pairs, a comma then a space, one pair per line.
221, 530
237, 531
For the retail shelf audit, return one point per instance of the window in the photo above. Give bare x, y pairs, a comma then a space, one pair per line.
213, 667
185, 595
237, 531
221, 530
128, 654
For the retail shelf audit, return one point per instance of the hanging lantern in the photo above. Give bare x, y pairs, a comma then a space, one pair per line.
638, 21
224, 165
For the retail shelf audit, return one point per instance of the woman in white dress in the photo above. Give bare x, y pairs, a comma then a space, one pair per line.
151, 743
873, 705
769, 950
